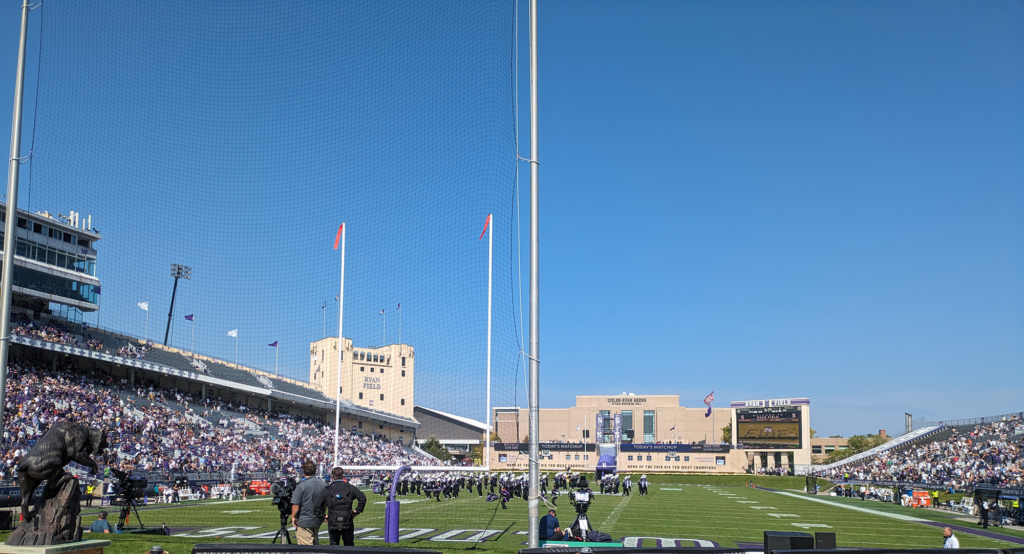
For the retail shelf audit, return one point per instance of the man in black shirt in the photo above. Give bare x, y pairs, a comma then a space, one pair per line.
335, 501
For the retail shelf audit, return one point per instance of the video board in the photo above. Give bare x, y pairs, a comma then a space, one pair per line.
776, 427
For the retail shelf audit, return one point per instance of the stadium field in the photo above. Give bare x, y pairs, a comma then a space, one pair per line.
674, 512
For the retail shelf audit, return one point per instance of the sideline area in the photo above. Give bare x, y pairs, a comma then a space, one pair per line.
957, 527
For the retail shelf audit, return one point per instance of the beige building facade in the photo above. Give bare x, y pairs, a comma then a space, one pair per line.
379, 379
643, 419
653, 433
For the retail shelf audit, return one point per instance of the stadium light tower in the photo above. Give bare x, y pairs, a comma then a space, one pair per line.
178, 272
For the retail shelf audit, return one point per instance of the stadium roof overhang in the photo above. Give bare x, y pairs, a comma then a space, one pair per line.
463, 420
323, 404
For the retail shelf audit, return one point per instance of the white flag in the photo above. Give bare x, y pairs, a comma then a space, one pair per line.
233, 333
577, 427
144, 305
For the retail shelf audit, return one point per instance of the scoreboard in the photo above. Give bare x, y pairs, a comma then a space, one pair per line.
769, 427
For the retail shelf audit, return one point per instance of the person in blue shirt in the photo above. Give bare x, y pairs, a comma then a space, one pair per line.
101, 525
549, 529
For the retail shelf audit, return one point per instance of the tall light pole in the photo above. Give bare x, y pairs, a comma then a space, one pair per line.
178, 272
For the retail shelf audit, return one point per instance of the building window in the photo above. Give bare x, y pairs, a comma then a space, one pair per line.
403, 402
677, 458
381, 426
577, 456
371, 370
586, 456
668, 458
37, 228
360, 423
403, 363
382, 370
22, 223
648, 458
816, 449
686, 458
648, 426
630, 458
361, 368
382, 397
403, 373
568, 456
360, 396
829, 448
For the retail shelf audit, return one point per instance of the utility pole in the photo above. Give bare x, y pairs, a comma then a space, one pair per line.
178, 272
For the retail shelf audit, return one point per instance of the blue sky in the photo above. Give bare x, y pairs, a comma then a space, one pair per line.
774, 199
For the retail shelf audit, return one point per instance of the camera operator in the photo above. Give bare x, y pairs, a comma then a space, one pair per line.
549, 529
337, 499
304, 516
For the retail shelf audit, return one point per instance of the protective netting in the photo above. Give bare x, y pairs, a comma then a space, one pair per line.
234, 138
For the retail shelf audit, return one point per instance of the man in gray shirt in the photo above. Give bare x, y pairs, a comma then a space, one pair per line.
304, 518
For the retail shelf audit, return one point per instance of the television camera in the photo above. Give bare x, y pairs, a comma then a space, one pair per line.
282, 491
127, 492
580, 500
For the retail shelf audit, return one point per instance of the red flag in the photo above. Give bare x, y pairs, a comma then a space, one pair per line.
338, 237
486, 223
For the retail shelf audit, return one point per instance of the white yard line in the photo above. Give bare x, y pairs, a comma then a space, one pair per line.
614, 516
857, 508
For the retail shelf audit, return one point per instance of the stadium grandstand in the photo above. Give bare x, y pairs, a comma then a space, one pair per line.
162, 425
959, 456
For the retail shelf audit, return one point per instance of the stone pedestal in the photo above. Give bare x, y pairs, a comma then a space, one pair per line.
80, 547
57, 519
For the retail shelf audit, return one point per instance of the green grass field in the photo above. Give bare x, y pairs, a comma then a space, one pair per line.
694, 510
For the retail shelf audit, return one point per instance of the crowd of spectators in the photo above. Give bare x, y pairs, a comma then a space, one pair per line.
49, 333
990, 453
128, 351
151, 429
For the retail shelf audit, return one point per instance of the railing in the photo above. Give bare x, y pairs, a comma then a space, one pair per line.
977, 420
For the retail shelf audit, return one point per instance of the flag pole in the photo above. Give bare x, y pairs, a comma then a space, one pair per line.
384, 333
341, 343
192, 345
490, 266
277, 351
714, 432
147, 322
236, 350
323, 330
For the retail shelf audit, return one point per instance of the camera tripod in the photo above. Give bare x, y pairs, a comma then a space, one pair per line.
286, 537
128, 505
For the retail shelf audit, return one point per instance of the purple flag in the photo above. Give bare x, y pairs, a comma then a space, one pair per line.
96, 289
274, 344
189, 317
708, 414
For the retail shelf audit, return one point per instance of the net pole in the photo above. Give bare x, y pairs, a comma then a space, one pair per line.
534, 513
490, 266
341, 347
7, 284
